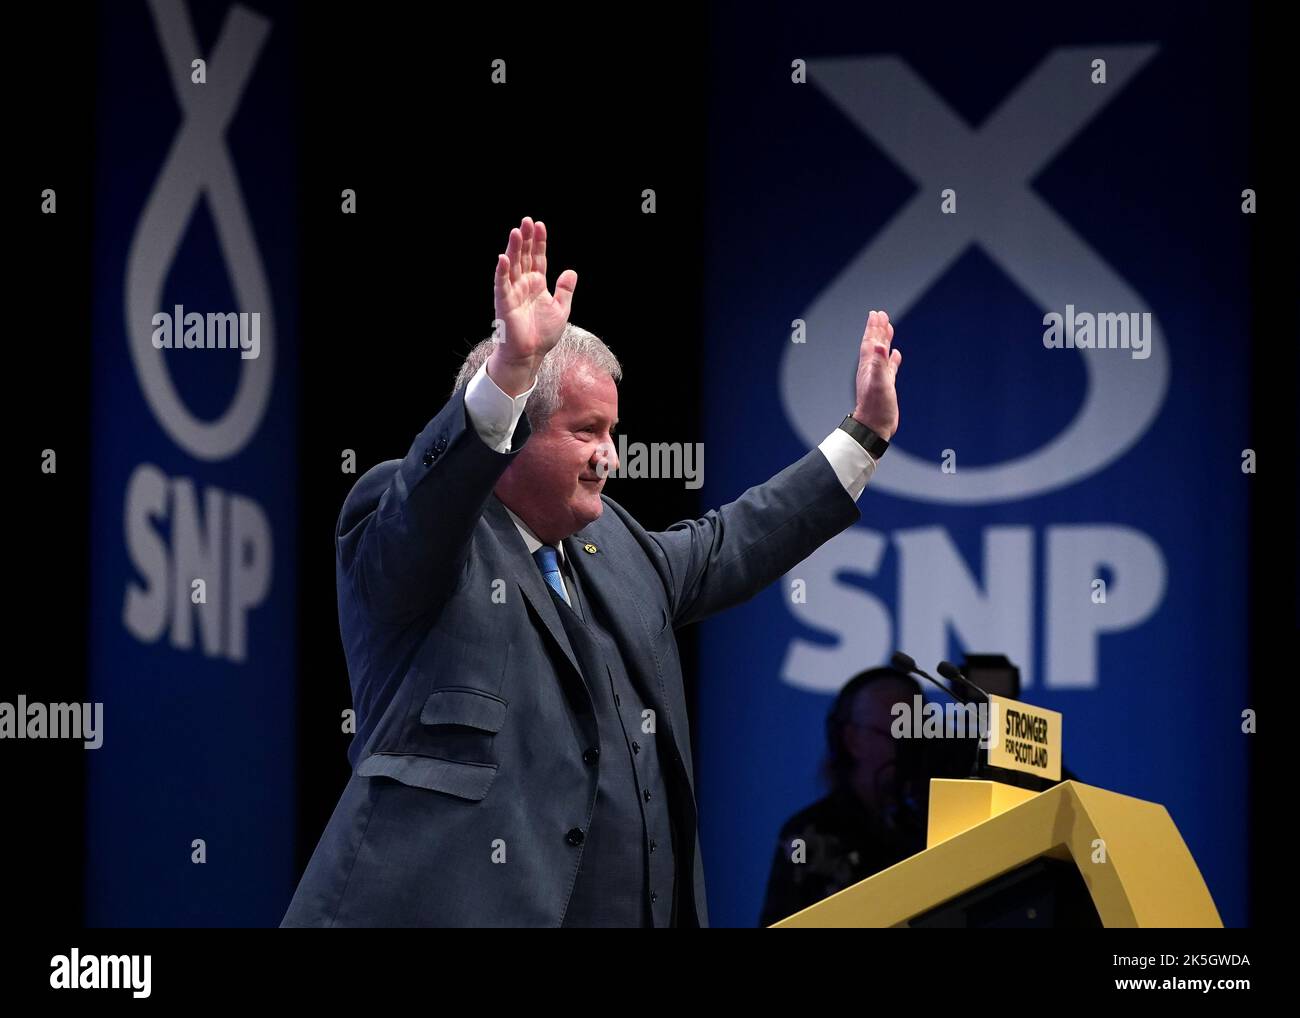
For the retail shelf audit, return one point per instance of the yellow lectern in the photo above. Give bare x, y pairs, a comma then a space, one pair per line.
1133, 861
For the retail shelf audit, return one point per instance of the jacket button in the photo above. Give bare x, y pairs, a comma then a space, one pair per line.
575, 836
440, 446
653, 897
653, 844
428, 458
591, 756
636, 747
646, 793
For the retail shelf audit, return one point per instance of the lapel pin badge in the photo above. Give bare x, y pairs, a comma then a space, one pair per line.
589, 548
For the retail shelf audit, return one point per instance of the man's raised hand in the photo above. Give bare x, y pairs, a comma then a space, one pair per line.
534, 318
877, 402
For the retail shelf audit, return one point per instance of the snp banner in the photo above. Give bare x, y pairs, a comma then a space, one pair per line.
192, 616
1056, 218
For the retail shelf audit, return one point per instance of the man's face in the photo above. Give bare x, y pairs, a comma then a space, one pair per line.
555, 482
868, 738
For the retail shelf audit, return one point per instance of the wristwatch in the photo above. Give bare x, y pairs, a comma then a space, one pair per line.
864, 436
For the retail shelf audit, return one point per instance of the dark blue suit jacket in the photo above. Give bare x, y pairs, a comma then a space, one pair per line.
472, 713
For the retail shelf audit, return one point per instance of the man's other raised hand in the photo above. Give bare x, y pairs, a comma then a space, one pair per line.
533, 318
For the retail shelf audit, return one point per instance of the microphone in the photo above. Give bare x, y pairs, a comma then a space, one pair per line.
905, 663
950, 672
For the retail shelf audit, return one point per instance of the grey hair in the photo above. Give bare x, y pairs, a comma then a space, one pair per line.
575, 345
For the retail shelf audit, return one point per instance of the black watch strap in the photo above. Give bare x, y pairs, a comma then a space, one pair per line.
864, 436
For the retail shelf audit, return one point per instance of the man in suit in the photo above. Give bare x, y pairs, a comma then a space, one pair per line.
523, 752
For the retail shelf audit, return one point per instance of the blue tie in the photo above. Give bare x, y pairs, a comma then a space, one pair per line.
548, 563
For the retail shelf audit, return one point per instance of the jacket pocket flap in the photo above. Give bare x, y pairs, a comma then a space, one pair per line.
455, 777
462, 706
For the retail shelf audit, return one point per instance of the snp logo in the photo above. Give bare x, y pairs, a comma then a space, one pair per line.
991, 168
74, 971
218, 563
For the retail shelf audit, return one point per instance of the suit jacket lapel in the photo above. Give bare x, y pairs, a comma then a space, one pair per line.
530, 578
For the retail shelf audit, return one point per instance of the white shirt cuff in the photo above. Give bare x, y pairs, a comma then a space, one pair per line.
493, 413
852, 464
